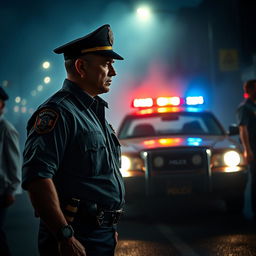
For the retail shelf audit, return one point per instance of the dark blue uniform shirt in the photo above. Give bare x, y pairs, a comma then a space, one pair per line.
246, 115
70, 141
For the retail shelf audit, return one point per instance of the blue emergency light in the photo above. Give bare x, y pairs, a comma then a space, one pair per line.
173, 101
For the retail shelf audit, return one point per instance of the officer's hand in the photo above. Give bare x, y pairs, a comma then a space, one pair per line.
116, 237
8, 200
249, 156
71, 247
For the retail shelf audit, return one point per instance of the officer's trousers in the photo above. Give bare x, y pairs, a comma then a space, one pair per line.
4, 249
98, 241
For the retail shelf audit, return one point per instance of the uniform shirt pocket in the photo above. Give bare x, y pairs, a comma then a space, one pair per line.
116, 149
94, 153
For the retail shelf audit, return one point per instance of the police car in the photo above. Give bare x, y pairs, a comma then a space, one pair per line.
172, 147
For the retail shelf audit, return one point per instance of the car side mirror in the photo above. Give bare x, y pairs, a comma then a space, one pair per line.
233, 130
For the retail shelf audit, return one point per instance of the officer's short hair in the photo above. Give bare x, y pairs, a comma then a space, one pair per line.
249, 86
70, 63
70, 66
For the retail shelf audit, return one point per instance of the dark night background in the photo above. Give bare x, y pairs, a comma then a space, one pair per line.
187, 47
205, 47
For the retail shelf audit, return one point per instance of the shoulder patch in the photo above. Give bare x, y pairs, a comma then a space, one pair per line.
46, 120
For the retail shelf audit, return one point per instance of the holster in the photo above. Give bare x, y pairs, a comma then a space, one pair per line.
71, 208
93, 214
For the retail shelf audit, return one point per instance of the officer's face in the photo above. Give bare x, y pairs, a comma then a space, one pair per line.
99, 73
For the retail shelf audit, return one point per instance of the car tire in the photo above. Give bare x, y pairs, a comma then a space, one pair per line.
235, 205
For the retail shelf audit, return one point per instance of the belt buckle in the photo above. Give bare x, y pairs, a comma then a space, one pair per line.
100, 218
116, 216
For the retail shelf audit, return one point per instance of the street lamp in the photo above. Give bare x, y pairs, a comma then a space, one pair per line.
47, 80
40, 88
46, 64
143, 13
18, 99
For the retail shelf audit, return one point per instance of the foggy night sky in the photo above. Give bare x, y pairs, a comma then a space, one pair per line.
31, 30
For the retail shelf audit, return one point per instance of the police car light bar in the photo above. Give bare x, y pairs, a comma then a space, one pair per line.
196, 100
167, 101
142, 103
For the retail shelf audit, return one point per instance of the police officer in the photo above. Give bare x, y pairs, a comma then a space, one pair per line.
72, 155
246, 115
10, 169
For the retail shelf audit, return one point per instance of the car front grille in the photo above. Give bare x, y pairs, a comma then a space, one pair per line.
186, 159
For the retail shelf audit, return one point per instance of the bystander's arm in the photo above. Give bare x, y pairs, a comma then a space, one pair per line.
13, 169
246, 144
13, 155
45, 200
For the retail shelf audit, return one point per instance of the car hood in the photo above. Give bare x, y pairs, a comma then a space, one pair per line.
212, 142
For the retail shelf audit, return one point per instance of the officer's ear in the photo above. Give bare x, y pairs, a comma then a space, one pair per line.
81, 66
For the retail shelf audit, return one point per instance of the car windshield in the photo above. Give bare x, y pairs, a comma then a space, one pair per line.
178, 123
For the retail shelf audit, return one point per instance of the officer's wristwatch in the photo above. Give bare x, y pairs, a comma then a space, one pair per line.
65, 232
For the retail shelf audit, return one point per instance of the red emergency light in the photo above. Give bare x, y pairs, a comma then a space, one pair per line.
142, 103
167, 102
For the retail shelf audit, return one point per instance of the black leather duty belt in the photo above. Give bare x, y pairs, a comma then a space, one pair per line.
91, 213
109, 218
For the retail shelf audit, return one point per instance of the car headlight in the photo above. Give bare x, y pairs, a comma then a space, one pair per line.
130, 164
232, 158
125, 164
228, 159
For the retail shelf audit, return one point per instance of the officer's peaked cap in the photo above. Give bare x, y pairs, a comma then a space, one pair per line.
99, 42
3, 94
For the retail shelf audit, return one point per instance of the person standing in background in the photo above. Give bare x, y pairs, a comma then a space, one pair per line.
10, 169
246, 116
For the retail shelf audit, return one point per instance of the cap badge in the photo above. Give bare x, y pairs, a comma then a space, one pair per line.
110, 36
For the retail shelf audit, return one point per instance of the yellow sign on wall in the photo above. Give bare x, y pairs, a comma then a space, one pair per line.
228, 60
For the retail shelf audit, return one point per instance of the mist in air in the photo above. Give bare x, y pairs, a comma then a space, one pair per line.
33, 30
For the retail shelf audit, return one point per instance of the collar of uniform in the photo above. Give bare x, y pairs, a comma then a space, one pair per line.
82, 96
101, 101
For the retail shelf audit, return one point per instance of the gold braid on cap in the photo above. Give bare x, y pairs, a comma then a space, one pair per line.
100, 48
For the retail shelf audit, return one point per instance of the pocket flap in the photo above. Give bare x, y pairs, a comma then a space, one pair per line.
91, 140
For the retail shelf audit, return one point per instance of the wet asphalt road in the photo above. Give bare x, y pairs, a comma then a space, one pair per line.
187, 229
192, 229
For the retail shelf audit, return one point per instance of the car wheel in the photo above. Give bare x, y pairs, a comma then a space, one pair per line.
235, 205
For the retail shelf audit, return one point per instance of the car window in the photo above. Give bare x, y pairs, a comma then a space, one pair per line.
182, 123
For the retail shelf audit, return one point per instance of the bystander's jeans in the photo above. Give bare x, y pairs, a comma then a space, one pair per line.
4, 249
